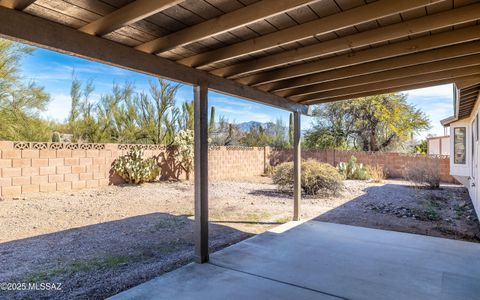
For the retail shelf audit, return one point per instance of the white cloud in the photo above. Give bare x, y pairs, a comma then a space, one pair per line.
59, 107
436, 102
230, 102
238, 115
445, 90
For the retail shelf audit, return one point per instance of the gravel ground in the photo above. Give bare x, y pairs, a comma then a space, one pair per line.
99, 242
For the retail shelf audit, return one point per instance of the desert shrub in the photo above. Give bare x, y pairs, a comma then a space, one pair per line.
133, 168
316, 178
353, 170
424, 176
377, 173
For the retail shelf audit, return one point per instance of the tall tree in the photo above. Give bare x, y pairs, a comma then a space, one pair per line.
20, 103
126, 116
375, 123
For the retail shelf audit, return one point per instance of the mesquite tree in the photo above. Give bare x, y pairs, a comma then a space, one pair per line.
375, 123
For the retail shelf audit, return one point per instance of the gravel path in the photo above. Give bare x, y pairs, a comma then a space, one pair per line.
99, 242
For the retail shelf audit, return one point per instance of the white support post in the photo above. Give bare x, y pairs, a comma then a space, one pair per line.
201, 172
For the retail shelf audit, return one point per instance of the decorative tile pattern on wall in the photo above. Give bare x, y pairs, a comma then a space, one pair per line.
56, 146
28, 167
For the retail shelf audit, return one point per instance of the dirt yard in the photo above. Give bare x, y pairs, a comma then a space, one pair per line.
97, 243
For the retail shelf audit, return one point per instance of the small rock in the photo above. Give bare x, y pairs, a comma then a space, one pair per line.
462, 204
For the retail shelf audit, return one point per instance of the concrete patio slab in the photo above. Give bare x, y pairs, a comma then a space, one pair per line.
206, 281
321, 260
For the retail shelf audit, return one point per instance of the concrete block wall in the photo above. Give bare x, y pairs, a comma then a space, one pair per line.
395, 164
29, 167
48, 167
236, 162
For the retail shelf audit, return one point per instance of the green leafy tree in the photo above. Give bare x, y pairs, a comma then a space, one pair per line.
20, 103
376, 123
126, 116
421, 147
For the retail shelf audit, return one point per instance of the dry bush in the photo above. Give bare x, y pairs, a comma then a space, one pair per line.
424, 176
377, 173
316, 178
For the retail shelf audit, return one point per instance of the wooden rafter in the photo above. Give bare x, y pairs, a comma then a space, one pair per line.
467, 82
29, 29
473, 92
469, 89
374, 36
393, 89
130, 13
402, 82
368, 55
437, 66
229, 21
359, 15
295, 86
16, 4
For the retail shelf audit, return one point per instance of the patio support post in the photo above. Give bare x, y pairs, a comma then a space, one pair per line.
201, 172
297, 160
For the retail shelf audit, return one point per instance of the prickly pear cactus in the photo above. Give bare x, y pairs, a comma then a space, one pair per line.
133, 168
352, 170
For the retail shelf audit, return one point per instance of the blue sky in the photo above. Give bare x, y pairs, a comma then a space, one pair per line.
54, 71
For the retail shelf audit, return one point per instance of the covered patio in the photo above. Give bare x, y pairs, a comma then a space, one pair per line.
317, 260
290, 55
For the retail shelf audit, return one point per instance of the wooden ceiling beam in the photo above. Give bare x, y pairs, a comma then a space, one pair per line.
465, 83
25, 28
126, 15
296, 85
229, 21
391, 90
16, 4
377, 35
449, 64
451, 75
364, 56
354, 16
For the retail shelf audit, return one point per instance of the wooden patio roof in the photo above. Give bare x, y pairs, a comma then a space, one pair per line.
289, 54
